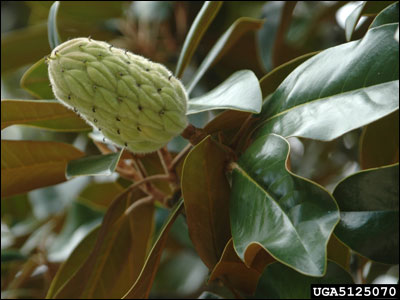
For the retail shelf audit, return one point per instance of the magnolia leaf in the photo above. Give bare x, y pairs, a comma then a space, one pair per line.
241, 91
119, 253
366, 8
389, 15
52, 32
96, 165
337, 90
36, 81
74, 261
142, 286
196, 32
207, 201
28, 165
369, 213
273, 282
46, 114
291, 217
225, 42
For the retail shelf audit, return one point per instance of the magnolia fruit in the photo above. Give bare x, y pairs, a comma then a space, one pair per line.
135, 103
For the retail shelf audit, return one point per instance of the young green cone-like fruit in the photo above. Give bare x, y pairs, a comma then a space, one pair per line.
134, 102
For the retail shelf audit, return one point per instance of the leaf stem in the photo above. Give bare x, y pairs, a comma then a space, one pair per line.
179, 156
147, 179
138, 202
162, 160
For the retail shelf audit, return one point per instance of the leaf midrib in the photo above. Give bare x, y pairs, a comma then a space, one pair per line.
322, 99
209, 208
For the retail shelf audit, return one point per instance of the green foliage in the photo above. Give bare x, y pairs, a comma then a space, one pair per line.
297, 209
272, 283
287, 172
363, 205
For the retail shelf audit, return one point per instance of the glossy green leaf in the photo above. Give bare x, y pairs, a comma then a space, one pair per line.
52, 32
369, 213
119, 253
352, 20
224, 43
379, 143
142, 286
27, 165
291, 217
196, 32
389, 15
96, 165
207, 201
36, 81
74, 261
241, 91
46, 114
366, 8
337, 90
270, 82
274, 282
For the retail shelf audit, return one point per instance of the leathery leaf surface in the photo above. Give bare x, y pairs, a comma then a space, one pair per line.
291, 217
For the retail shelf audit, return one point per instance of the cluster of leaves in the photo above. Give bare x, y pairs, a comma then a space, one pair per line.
261, 189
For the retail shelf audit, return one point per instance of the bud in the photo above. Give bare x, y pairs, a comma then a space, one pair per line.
135, 103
